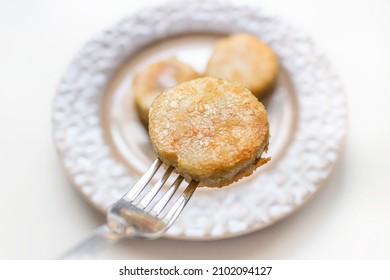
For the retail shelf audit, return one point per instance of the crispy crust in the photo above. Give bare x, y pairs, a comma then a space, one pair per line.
245, 59
211, 130
153, 79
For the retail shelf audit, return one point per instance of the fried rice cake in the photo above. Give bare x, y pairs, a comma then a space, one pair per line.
244, 58
154, 78
210, 130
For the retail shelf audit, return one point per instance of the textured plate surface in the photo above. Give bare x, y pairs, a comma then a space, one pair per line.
104, 148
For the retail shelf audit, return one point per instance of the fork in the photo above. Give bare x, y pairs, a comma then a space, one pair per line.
138, 214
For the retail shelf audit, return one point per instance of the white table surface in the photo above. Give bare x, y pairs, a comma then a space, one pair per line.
41, 215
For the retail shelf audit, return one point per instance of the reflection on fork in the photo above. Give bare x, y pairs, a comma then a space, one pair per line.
141, 212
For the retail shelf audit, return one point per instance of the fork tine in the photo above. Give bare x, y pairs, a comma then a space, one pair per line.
143, 181
160, 205
181, 203
155, 189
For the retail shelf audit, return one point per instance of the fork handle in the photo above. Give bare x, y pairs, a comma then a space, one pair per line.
100, 238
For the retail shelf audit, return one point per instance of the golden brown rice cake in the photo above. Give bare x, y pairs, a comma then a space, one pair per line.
153, 79
210, 129
245, 59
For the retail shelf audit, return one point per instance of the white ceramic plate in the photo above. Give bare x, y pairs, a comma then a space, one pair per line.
104, 148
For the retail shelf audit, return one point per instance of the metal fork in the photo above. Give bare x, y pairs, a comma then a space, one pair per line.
134, 215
